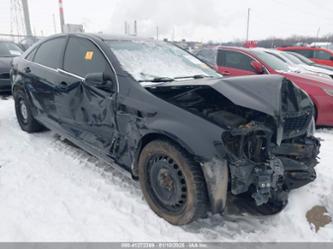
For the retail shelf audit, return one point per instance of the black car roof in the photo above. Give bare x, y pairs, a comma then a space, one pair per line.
105, 37
119, 37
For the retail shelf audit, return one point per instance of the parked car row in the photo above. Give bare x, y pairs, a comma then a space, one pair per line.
188, 134
236, 61
298, 65
319, 55
8, 50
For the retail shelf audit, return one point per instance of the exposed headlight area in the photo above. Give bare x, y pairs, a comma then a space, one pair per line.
267, 170
249, 142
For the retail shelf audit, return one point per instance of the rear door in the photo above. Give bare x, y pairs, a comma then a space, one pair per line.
42, 78
86, 112
233, 63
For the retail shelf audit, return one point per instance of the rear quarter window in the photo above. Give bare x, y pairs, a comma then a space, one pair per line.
50, 53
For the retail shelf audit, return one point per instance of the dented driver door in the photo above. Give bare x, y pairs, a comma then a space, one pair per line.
86, 112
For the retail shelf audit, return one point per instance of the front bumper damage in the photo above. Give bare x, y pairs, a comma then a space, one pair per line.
260, 168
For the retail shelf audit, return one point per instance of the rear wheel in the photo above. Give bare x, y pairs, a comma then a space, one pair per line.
24, 115
172, 183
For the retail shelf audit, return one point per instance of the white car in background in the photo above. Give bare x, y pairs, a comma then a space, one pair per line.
297, 65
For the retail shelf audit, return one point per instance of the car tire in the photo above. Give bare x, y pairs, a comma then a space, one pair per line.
172, 183
24, 115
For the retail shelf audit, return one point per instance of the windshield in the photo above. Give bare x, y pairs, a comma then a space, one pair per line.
9, 49
292, 58
302, 58
271, 61
149, 60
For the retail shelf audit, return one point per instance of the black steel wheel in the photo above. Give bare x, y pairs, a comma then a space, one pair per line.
172, 183
167, 182
24, 115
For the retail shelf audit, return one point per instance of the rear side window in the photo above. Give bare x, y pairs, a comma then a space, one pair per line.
306, 53
207, 55
322, 55
50, 53
234, 60
83, 57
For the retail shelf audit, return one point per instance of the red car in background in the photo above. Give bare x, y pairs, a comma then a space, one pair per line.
236, 61
319, 55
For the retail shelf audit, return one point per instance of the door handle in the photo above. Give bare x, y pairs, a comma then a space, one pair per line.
27, 70
226, 73
63, 84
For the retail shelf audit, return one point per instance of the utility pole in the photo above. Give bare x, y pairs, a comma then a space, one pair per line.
61, 14
157, 31
248, 24
173, 34
125, 28
318, 31
26, 17
135, 28
54, 23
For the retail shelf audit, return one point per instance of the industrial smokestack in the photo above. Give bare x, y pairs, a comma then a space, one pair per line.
26, 17
61, 14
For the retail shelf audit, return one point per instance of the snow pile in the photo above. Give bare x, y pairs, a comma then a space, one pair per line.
52, 191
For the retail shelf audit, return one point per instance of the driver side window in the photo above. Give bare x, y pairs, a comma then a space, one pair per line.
83, 57
236, 60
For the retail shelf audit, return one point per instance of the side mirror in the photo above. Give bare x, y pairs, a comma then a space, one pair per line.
331, 58
258, 67
101, 81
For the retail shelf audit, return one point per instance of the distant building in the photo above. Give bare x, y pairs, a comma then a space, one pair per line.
73, 28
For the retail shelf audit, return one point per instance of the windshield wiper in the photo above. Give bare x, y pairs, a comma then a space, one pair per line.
197, 76
158, 79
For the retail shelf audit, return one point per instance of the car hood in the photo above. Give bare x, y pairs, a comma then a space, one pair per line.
5, 64
318, 69
308, 79
260, 93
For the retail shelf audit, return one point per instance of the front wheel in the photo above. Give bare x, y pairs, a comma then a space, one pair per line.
24, 115
172, 183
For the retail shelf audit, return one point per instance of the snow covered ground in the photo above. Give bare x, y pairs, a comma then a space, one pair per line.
52, 191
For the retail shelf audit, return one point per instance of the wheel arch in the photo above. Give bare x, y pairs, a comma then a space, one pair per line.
147, 138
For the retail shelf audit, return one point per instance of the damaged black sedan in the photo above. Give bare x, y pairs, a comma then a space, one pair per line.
187, 134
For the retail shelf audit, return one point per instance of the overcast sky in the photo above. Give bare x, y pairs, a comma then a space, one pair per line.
201, 20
